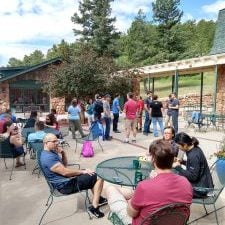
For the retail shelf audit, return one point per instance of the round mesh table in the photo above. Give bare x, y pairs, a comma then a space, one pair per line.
121, 170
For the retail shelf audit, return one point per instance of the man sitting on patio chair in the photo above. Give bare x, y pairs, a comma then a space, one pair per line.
163, 188
39, 132
54, 161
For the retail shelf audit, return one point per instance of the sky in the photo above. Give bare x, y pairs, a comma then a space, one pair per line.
29, 25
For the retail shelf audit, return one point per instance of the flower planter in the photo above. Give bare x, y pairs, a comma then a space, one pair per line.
220, 168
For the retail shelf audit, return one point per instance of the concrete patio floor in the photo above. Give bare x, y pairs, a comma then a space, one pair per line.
22, 199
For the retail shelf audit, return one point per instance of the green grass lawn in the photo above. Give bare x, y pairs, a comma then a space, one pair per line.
186, 85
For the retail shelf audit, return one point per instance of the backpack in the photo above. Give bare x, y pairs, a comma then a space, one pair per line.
87, 149
98, 107
96, 129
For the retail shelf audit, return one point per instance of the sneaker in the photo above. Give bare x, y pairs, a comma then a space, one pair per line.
95, 212
102, 201
134, 140
126, 141
117, 131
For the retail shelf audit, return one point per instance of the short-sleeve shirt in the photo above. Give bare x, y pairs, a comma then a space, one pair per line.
38, 135
49, 159
169, 111
156, 109
131, 109
148, 102
140, 104
106, 107
74, 112
115, 106
174, 103
164, 189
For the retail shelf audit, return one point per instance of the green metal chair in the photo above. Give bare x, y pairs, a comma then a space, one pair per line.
93, 135
55, 193
171, 214
212, 196
37, 147
6, 153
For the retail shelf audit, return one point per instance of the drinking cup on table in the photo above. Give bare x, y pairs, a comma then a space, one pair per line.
136, 164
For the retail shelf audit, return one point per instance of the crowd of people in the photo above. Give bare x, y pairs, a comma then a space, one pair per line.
107, 111
163, 186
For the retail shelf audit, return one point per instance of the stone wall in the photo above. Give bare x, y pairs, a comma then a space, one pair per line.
4, 93
58, 104
220, 100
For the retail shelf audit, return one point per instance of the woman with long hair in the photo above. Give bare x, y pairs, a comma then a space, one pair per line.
10, 132
197, 169
50, 121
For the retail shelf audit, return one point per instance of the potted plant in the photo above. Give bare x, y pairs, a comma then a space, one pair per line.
220, 165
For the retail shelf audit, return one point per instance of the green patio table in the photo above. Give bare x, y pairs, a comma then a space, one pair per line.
122, 171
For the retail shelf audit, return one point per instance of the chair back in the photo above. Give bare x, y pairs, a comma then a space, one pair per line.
96, 130
218, 180
26, 131
37, 146
172, 214
6, 150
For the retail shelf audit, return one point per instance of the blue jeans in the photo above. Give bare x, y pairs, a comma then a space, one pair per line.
107, 126
160, 122
115, 121
175, 121
147, 123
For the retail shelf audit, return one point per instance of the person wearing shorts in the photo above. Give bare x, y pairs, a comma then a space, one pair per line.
54, 161
130, 109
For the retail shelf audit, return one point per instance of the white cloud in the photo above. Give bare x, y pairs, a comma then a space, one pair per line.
187, 16
31, 21
214, 7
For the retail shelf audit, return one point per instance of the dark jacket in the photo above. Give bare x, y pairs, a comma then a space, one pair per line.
197, 171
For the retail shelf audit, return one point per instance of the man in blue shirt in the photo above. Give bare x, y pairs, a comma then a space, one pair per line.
54, 164
39, 132
116, 110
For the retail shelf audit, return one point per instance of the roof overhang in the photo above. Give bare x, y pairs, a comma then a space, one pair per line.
183, 67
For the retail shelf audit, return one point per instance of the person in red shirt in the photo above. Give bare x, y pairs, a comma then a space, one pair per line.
140, 105
164, 187
130, 109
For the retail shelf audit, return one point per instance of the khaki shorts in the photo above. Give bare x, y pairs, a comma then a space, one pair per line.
131, 124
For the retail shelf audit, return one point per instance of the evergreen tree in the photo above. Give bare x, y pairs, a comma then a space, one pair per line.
97, 26
141, 40
167, 14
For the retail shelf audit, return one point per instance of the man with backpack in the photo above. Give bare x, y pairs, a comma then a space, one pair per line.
54, 162
97, 107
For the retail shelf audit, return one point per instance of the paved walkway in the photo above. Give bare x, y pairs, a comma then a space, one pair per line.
22, 200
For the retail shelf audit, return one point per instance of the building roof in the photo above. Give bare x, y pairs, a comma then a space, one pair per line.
7, 73
219, 40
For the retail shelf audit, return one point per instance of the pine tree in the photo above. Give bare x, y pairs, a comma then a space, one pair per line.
167, 14
97, 26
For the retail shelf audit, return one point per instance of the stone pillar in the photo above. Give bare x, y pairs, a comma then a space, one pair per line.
4, 93
135, 84
220, 100
58, 104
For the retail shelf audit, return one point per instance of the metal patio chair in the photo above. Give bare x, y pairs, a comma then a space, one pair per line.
55, 193
171, 214
6, 153
212, 196
95, 132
